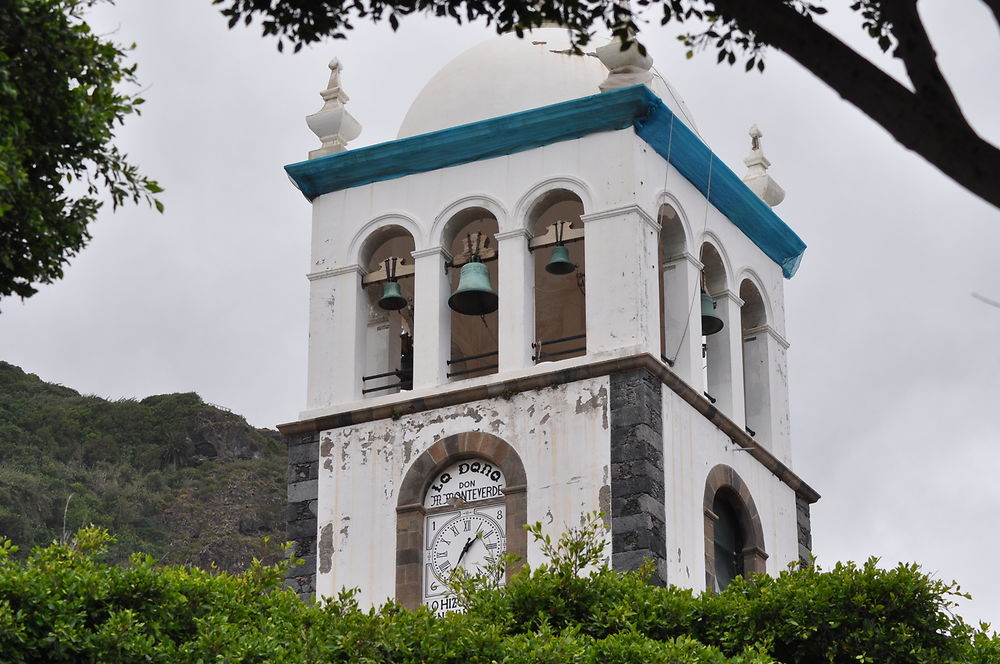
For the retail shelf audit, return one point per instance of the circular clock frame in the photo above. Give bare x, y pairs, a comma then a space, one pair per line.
470, 540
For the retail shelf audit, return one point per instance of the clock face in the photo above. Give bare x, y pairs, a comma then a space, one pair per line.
470, 541
464, 527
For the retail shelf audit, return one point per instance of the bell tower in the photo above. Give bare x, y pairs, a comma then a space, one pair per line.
547, 297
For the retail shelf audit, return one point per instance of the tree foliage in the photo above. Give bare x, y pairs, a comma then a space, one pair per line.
62, 604
924, 116
60, 104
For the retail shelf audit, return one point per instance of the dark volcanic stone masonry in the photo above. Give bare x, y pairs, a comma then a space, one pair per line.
303, 474
638, 515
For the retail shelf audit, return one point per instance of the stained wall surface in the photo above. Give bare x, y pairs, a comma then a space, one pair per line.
560, 433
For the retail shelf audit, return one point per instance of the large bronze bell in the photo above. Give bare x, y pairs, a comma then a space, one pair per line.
710, 323
559, 262
474, 295
392, 297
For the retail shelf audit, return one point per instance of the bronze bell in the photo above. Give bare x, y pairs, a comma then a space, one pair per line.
474, 295
710, 323
392, 297
559, 262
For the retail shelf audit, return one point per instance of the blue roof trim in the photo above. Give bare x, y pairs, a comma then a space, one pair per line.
485, 139
726, 191
634, 106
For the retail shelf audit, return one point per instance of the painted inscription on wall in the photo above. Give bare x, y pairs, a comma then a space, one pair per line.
465, 482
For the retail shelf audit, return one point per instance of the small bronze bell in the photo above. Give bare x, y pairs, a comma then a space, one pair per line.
710, 323
474, 295
392, 297
559, 262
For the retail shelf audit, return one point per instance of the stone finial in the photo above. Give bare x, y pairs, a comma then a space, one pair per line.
333, 124
625, 68
756, 177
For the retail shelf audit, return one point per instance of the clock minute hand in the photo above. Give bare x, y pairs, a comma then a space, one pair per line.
465, 549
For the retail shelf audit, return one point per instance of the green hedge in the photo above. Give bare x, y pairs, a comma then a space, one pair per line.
62, 604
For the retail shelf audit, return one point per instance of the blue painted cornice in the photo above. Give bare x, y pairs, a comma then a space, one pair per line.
628, 107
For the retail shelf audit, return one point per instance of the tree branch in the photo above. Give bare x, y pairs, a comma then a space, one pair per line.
939, 135
915, 50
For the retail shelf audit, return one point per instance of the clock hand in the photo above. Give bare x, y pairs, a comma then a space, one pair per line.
465, 549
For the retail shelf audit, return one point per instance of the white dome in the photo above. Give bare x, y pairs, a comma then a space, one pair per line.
506, 74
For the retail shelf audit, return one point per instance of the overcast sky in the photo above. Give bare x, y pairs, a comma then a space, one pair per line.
893, 366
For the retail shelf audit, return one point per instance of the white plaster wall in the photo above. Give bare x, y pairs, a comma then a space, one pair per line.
692, 447
562, 434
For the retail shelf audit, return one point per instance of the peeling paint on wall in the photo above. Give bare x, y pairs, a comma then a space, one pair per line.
326, 549
561, 435
345, 456
365, 446
604, 500
596, 401
344, 530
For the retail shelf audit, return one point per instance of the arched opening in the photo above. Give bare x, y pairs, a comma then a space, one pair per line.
388, 337
716, 373
734, 538
470, 237
756, 362
728, 540
494, 502
559, 295
675, 292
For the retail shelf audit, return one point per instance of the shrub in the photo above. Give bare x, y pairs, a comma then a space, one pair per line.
62, 604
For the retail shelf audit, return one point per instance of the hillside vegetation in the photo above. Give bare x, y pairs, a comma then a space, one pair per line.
170, 475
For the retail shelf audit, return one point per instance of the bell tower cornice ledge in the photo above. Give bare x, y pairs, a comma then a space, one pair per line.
335, 272
517, 233
727, 294
671, 261
770, 331
621, 212
539, 381
432, 251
